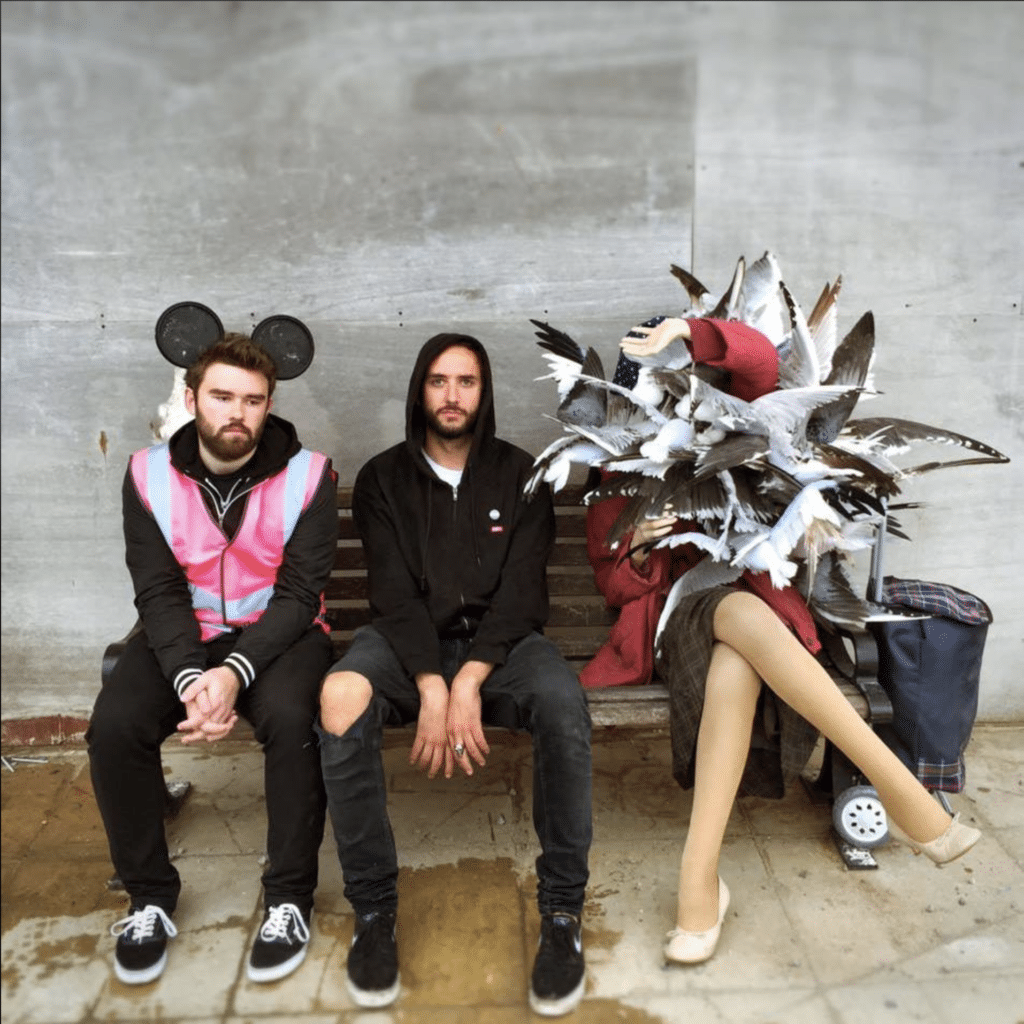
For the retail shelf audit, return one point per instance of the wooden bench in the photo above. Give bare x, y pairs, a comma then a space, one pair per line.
579, 623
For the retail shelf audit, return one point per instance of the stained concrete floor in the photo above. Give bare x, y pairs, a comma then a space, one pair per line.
805, 940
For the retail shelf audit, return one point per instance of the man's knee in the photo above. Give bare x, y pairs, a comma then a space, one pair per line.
559, 701
122, 723
344, 696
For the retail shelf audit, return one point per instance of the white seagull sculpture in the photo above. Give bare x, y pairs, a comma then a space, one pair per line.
787, 484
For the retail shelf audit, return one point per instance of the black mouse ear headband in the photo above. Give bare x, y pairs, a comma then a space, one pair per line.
187, 329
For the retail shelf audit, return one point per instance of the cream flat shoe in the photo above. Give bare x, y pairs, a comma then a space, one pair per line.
953, 843
685, 947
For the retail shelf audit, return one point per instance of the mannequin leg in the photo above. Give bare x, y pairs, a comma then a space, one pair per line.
750, 627
723, 741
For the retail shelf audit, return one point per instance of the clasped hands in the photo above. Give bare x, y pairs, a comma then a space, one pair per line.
449, 719
209, 706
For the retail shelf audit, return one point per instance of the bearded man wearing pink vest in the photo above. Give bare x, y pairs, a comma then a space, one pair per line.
230, 530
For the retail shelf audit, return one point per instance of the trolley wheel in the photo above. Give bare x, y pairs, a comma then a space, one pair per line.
859, 817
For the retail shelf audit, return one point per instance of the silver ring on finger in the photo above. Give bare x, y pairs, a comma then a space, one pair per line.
459, 750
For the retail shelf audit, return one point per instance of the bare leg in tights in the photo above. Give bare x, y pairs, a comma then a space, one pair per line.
752, 645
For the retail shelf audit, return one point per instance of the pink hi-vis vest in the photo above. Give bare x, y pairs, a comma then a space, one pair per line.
231, 582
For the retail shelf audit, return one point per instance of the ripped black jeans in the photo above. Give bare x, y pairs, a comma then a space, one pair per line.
534, 691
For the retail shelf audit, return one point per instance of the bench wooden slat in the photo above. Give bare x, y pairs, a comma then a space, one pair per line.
351, 556
353, 586
573, 614
648, 706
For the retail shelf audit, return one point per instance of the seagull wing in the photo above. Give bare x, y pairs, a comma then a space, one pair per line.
562, 354
586, 404
798, 365
850, 364
853, 359
805, 518
824, 327
873, 478
833, 599
554, 464
735, 450
729, 303
630, 407
890, 436
762, 306
699, 295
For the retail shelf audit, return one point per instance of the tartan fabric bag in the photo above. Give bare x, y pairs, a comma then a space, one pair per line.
930, 667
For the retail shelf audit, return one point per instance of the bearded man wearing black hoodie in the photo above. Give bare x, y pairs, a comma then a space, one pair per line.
457, 562
230, 532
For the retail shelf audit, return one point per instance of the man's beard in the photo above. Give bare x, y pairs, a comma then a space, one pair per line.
450, 433
224, 446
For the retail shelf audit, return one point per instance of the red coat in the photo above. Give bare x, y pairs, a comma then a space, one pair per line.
627, 658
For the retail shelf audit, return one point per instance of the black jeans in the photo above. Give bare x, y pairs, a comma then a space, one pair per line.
137, 710
536, 691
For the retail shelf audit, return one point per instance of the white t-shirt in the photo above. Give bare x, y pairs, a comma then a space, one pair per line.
449, 476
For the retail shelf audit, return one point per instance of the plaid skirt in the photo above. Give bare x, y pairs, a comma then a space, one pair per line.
781, 741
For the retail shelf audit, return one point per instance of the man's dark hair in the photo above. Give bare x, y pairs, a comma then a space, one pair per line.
233, 350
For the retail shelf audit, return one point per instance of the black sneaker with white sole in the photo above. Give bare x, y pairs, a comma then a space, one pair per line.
141, 953
556, 986
280, 945
372, 979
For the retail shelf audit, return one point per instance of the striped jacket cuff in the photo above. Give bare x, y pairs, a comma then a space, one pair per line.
185, 677
242, 667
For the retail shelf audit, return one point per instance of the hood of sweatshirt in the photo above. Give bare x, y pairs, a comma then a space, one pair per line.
278, 443
415, 418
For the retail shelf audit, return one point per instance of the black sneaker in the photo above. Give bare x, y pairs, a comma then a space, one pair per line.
558, 972
280, 945
373, 960
141, 953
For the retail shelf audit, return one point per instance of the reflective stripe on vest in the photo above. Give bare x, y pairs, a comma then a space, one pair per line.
231, 582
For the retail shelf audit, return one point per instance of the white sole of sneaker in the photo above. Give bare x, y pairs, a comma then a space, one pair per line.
262, 975
141, 977
372, 999
557, 1007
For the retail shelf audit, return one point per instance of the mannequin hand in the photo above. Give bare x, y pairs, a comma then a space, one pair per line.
658, 338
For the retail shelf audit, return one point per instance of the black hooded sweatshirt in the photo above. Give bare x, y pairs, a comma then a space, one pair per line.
161, 589
466, 563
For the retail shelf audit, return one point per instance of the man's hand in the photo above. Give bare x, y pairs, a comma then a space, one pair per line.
430, 750
209, 706
465, 725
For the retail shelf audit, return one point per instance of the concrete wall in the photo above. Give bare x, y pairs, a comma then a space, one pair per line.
386, 170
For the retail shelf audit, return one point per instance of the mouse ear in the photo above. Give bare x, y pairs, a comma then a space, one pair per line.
185, 331
288, 342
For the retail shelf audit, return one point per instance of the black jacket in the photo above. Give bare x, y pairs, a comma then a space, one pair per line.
470, 563
161, 589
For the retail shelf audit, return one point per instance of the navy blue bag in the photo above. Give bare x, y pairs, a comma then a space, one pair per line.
931, 667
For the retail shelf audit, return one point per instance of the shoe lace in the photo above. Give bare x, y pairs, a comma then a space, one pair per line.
140, 924
280, 919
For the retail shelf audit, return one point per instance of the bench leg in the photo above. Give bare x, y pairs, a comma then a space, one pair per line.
175, 797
